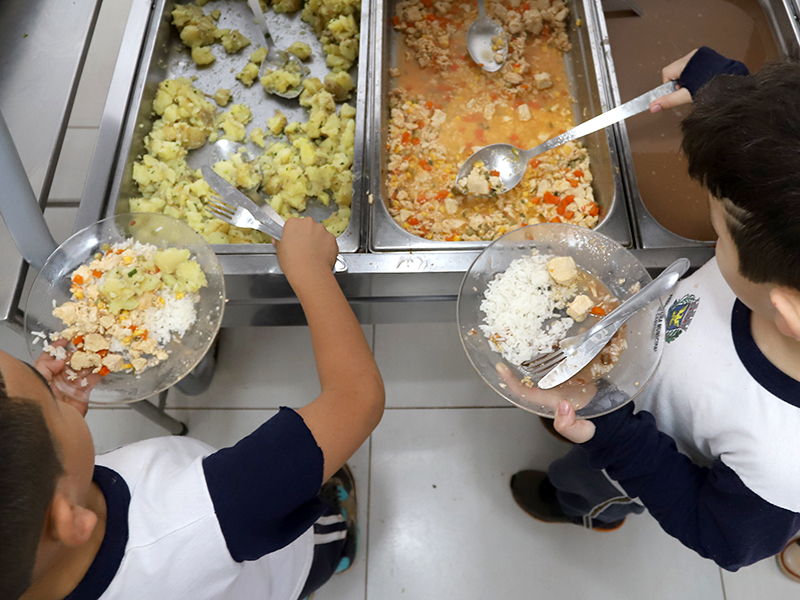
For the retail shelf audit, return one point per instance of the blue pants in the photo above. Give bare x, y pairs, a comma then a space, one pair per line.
586, 492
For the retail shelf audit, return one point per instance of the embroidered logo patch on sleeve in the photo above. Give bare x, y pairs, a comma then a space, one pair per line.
680, 315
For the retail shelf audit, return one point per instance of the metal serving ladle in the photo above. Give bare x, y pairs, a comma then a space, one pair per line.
512, 162
276, 59
479, 41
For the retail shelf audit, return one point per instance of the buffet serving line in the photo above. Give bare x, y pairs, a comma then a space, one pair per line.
392, 275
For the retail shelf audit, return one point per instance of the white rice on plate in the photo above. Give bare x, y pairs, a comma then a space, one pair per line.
520, 307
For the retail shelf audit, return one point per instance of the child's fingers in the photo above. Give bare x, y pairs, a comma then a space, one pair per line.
566, 423
674, 69
681, 96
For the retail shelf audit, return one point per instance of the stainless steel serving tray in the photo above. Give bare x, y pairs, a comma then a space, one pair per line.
589, 82
163, 56
782, 16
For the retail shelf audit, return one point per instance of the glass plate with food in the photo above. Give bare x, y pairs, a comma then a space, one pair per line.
131, 303
537, 285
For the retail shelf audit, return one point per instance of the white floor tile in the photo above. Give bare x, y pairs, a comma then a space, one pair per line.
61, 221
443, 523
99, 66
73, 165
423, 365
115, 427
261, 367
761, 580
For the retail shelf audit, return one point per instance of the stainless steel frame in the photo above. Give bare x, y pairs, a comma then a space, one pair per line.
588, 82
413, 284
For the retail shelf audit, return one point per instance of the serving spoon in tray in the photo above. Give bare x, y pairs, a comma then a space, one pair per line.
486, 41
511, 162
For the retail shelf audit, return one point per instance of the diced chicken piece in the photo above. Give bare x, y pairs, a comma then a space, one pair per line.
512, 78
488, 112
439, 117
113, 362
139, 363
580, 307
84, 360
475, 183
562, 269
450, 205
543, 81
523, 112
67, 312
94, 342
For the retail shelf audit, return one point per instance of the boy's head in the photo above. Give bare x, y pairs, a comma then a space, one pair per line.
46, 462
742, 142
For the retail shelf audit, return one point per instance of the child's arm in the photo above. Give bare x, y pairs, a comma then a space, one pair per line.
710, 510
351, 401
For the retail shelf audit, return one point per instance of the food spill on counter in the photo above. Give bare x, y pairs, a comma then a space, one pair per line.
125, 307
444, 107
301, 159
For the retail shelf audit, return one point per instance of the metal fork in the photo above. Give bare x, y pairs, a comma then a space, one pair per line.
655, 289
236, 215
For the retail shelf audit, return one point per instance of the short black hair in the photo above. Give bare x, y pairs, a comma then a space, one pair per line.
29, 469
742, 142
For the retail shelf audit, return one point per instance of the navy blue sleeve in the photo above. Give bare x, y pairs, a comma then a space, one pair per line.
265, 489
706, 64
709, 510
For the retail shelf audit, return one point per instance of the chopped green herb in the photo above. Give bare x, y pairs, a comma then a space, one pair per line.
132, 273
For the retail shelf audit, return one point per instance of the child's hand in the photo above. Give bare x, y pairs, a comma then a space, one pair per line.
574, 430
672, 72
306, 247
64, 390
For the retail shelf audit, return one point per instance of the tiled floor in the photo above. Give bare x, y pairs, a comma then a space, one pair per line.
436, 517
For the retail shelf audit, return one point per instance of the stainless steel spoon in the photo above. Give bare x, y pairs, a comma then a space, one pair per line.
512, 162
276, 59
482, 35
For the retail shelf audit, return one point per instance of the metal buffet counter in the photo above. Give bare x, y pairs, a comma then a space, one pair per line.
392, 275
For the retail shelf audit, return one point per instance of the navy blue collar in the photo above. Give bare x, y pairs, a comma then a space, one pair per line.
768, 376
109, 557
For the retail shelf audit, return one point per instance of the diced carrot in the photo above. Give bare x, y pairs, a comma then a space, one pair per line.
572, 182
450, 238
144, 335
429, 104
413, 221
494, 173
104, 370
395, 21
569, 214
598, 311
551, 199
442, 194
424, 164
555, 220
77, 340
77, 279
516, 65
594, 210
525, 6
430, 17
524, 86
578, 173
567, 200
97, 274
514, 138
533, 163
427, 3
535, 200
561, 210
545, 31
416, 141
406, 137
102, 353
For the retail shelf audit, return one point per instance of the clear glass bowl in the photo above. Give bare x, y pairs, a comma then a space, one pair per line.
54, 280
602, 257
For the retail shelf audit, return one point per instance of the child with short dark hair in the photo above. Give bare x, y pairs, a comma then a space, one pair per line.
172, 518
711, 450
